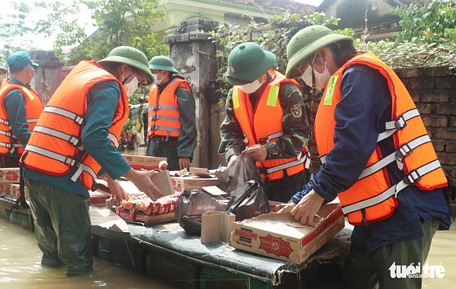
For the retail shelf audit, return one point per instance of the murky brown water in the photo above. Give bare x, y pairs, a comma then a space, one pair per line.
20, 268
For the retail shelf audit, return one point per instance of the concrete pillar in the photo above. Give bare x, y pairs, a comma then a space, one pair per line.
193, 54
48, 75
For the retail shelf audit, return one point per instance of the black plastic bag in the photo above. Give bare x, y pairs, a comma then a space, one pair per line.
248, 201
241, 171
191, 205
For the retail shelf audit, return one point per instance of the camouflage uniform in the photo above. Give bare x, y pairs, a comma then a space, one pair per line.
295, 137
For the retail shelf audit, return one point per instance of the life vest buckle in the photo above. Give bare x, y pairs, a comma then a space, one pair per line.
401, 153
74, 141
400, 122
70, 161
79, 120
412, 177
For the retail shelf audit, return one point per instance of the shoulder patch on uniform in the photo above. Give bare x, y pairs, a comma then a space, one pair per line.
296, 111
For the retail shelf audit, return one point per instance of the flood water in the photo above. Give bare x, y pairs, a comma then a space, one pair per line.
20, 266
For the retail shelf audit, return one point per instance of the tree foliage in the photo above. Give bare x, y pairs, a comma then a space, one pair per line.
117, 22
124, 22
12, 27
427, 38
433, 22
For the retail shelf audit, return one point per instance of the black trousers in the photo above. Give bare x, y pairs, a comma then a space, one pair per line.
282, 190
162, 147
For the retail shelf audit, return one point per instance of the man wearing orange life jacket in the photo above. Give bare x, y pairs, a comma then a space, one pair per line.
73, 142
376, 157
265, 115
171, 127
20, 107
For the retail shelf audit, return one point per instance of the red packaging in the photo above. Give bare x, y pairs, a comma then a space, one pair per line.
128, 211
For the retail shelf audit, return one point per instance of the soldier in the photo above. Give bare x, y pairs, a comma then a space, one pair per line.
377, 159
171, 115
265, 115
20, 106
75, 140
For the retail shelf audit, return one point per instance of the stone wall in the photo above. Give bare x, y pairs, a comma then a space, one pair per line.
48, 75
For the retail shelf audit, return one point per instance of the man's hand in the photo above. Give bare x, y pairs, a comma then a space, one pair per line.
184, 163
257, 152
305, 210
143, 181
117, 192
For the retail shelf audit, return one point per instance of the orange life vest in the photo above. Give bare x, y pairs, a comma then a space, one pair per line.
263, 124
33, 108
373, 197
163, 113
55, 146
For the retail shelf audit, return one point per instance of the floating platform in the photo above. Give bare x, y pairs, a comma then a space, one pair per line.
166, 252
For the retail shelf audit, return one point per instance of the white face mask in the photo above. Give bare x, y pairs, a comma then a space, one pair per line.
155, 75
321, 79
307, 76
132, 86
251, 87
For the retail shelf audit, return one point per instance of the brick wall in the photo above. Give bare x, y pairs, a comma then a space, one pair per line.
434, 92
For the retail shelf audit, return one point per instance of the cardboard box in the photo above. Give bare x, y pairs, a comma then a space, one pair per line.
15, 192
5, 189
138, 162
98, 198
161, 179
181, 184
279, 236
9, 175
216, 226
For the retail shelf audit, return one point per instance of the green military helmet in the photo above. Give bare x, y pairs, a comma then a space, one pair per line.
130, 56
162, 63
247, 62
306, 42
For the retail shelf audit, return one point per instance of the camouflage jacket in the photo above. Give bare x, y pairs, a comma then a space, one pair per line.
294, 122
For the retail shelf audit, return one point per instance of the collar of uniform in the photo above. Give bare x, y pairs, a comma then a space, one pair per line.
16, 81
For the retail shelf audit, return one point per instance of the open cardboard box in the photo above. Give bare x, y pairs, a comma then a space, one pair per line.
279, 236
191, 182
138, 162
